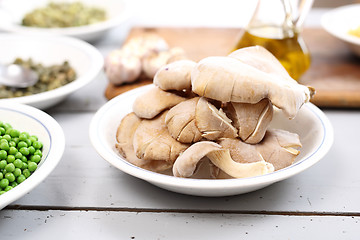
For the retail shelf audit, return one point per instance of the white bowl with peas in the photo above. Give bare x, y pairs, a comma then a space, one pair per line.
31, 145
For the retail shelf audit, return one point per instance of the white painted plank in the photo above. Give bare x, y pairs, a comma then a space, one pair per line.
143, 225
84, 179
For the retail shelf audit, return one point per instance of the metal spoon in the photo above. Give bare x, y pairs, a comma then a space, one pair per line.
14, 75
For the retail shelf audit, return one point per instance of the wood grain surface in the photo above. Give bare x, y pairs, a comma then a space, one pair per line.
334, 71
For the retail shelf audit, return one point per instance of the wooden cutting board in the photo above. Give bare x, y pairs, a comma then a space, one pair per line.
334, 71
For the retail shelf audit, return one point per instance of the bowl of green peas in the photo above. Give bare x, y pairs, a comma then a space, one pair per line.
31, 145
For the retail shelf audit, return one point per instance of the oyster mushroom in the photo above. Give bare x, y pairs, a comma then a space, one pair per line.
213, 123
279, 147
154, 101
252, 120
152, 141
180, 121
241, 82
223, 160
124, 138
186, 163
261, 59
175, 76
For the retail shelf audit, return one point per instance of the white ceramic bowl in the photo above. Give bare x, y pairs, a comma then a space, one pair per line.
83, 57
313, 127
49, 132
13, 11
340, 20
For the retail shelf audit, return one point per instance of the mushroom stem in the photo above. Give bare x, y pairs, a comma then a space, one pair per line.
223, 160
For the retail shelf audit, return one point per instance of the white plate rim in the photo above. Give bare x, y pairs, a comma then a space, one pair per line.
79, 32
328, 16
206, 184
50, 161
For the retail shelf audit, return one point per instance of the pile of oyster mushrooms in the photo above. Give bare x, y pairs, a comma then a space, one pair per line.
215, 111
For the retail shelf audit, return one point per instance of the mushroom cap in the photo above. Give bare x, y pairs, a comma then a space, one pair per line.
252, 120
213, 123
180, 121
154, 101
261, 59
175, 75
152, 141
124, 138
278, 148
241, 82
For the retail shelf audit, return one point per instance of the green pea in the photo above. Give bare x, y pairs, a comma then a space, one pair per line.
12, 144
10, 176
37, 145
7, 137
32, 166
38, 152
10, 158
16, 140
1, 175
3, 164
20, 178
24, 135
24, 151
17, 172
26, 172
2, 131
18, 155
18, 163
22, 144
14, 184
3, 154
35, 138
13, 150
2, 192
7, 126
4, 183
31, 149
28, 142
24, 166
4, 146
24, 159
3, 140
36, 158
14, 133
10, 167
8, 188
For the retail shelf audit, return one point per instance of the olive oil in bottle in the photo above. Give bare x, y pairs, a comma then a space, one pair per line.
289, 49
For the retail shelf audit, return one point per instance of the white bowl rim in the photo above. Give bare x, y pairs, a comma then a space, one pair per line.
209, 184
96, 57
330, 14
73, 31
50, 161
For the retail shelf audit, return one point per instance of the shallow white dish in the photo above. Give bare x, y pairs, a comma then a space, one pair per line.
340, 20
313, 127
13, 11
49, 132
48, 50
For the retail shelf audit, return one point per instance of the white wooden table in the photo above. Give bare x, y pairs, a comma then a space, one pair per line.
86, 198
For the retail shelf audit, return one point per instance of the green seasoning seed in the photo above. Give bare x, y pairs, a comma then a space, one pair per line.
50, 77
60, 15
